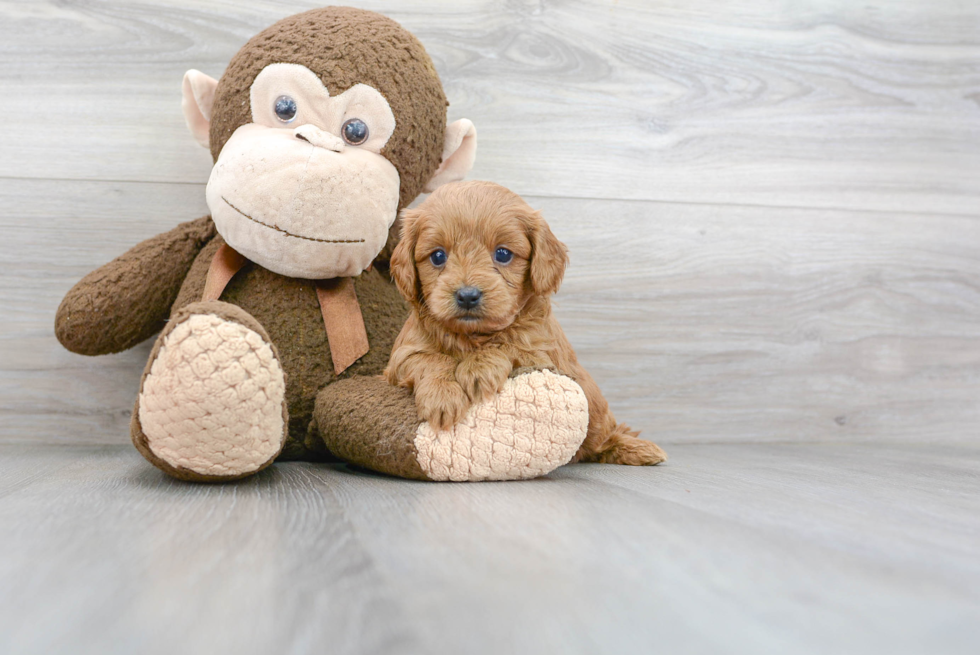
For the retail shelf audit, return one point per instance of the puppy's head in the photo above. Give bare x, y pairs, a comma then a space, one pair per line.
472, 254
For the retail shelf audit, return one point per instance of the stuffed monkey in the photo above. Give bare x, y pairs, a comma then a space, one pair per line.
276, 313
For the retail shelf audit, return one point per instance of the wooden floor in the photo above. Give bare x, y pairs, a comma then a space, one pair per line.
773, 212
747, 548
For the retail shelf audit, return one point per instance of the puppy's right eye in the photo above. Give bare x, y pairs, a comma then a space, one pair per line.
502, 255
438, 258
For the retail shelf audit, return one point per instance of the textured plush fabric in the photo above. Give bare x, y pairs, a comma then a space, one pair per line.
533, 426
267, 193
118, 305
210, 362
347, 46
316, 107
368, 422
288, 309
301, 210
458, 154
213, 400
197, 99
338, 305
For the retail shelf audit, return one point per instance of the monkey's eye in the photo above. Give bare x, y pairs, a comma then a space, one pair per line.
355, 131
503, 256
285, 109
438, 258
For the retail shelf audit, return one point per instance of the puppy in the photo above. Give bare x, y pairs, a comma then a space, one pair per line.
478, 267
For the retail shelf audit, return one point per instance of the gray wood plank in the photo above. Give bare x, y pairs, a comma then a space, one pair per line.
702, 323
55, 232
629, 560
743, 324
106, 555
725, 549
827, 104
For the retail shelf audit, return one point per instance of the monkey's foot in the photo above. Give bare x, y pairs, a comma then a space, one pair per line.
534, 425
211, 405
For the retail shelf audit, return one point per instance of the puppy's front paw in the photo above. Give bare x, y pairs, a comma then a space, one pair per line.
442, 404
482, 378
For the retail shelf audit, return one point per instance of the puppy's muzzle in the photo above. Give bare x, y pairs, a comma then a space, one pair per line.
468, 297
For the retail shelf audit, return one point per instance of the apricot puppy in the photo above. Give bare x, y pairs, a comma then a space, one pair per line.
478, 267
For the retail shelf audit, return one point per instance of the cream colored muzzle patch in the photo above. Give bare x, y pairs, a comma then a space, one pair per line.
534, 425
212, 401
299, 209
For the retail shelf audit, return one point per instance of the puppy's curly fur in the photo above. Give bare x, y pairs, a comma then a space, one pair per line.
453, 351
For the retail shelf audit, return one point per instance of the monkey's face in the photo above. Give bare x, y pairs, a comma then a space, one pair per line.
303, 190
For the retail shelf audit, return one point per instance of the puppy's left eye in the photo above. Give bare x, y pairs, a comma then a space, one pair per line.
503, 256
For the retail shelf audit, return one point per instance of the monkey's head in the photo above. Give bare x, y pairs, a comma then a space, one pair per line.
322, 128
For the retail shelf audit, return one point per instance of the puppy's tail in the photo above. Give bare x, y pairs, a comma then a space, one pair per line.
624, 446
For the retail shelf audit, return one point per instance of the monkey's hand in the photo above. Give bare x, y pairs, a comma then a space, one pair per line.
482, 373
115, 307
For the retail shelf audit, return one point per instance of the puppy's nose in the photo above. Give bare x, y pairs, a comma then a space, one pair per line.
468, 297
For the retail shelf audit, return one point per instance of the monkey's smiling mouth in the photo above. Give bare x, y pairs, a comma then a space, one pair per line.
287, 233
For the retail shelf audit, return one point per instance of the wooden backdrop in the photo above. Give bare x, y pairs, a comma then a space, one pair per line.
773, 208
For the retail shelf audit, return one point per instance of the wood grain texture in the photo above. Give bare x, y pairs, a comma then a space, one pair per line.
55, 232
722, 323
725, 549
818, 104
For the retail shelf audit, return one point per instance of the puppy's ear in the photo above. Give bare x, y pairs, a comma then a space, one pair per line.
403, 270
549, 257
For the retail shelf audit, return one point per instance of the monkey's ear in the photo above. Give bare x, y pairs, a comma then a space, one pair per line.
402, 264
458, 154
198, 97
549, 257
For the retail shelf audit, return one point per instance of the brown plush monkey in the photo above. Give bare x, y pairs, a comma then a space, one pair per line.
277, 311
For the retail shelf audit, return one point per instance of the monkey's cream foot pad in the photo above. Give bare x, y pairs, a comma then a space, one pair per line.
211, 404
534, 425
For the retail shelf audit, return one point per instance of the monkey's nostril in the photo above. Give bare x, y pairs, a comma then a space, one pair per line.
319, 138
468, 297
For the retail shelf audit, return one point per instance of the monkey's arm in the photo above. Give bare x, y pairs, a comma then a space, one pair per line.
118, 305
